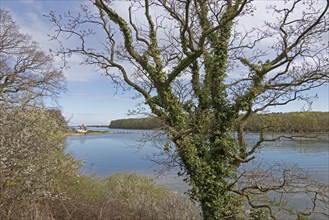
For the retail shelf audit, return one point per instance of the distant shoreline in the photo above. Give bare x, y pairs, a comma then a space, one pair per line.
92, 132
291, 122
75, 133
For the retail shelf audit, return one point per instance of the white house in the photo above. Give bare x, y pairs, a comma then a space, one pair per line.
82, 129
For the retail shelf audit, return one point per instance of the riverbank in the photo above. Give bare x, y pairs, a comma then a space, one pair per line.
93, 132
75, 133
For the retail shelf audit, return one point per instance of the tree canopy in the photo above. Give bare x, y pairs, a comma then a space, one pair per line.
199, 65
27, 74
290, 122
137, 123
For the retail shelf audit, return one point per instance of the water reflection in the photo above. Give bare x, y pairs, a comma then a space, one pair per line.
119, 152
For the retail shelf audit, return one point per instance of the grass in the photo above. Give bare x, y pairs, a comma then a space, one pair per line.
122, 196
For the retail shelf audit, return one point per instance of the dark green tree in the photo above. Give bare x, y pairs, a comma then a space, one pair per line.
199, 65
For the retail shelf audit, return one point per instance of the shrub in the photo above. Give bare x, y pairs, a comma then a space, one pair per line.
32, 163
124, 197
38, 181
140, 198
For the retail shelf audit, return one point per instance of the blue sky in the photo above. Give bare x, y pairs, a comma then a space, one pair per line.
92, 98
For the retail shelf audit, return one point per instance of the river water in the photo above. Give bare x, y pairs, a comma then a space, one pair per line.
119, 152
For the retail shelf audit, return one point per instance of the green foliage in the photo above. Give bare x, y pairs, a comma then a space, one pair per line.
301, 217
137, 123
56, 115
121, 196
291, 122
86, 197
32, 161
141, 198
259, 214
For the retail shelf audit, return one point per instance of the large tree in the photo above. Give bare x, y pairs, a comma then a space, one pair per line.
199, 66
27, 74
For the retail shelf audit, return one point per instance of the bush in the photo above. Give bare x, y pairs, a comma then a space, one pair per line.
32, 163
38, 181
140, 198
124, 197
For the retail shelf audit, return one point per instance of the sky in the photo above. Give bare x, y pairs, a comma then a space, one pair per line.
91, 97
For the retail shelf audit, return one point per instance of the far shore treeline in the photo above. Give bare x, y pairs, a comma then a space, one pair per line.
292, 122
137, 123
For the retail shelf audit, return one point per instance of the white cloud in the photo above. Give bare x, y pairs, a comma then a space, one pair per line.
34, 3
86, 96
31, 21
77, 72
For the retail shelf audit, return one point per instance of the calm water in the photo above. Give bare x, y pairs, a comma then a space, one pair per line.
111, 153
118, 152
